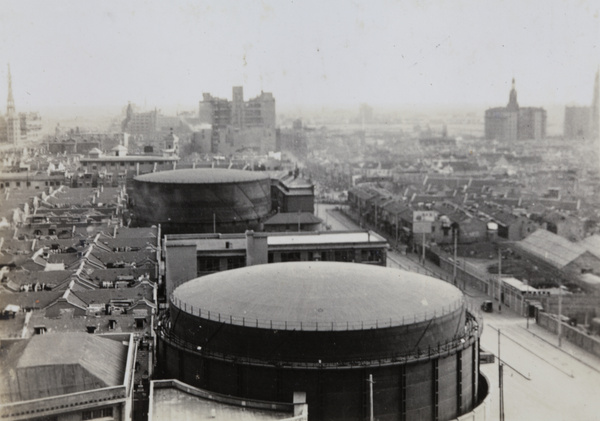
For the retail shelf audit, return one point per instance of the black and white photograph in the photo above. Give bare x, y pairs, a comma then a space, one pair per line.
336, 210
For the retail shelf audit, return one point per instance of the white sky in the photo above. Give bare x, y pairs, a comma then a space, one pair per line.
306, 52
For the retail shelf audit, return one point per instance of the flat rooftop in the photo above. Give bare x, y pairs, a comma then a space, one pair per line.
238, 241
173, 400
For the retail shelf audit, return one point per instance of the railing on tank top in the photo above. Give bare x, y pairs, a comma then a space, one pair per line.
468, 338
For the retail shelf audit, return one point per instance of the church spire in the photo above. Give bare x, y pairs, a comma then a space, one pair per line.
513, 105
10, 102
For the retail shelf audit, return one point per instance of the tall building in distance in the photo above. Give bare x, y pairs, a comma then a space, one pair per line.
581, 122
17, 128
514, 122
578, 123
13, 123
238, 124
596, 107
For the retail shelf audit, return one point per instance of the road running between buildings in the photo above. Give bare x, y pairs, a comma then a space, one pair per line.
529, 350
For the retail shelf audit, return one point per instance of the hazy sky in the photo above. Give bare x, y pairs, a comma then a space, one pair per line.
305, 52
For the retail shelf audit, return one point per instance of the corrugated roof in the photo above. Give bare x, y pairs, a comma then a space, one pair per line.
203, 176
591, 244
553, 248
79, 362
102, 357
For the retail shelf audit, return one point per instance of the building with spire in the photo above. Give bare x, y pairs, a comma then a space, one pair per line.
13, 123
596, 107
514, 122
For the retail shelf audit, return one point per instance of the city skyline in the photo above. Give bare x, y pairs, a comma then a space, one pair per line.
309, 54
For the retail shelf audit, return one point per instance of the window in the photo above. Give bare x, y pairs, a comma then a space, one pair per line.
18, 184
292, 256
208, 264
97, 413
344, 255
236, 262
371, 256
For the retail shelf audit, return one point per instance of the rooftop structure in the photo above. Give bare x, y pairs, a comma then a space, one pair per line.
291, 193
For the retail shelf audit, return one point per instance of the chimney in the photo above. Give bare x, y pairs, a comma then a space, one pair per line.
257, 249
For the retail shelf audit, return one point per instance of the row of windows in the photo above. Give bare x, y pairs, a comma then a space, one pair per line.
28, 183
131, 164
211, 264
97, 413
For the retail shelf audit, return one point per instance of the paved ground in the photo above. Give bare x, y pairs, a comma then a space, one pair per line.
541, 380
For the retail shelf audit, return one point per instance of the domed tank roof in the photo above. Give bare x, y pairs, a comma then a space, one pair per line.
318, 295
202, 176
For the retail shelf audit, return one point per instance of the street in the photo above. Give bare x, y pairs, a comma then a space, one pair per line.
541, 380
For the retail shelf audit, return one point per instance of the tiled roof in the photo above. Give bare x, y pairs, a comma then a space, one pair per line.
105, 295
49, 278
38, 299
97, 276
123, 232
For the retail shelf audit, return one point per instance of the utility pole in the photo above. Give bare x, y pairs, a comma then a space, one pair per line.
370, 381
423, 248
559, 314
527, 303
500, 381
455, 255
499, 279
396, 229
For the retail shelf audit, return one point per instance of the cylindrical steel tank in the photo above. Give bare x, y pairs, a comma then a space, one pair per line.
323, 328
201, 200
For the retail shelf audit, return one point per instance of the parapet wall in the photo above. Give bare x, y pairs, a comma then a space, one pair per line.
572, 334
